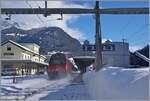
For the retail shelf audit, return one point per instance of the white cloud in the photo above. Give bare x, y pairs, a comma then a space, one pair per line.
134, 48
32, 21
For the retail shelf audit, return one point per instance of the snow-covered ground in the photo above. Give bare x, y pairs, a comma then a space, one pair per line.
63, 92
113, 83
109, 83
40, 88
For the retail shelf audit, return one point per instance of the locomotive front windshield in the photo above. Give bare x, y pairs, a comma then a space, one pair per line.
58, 59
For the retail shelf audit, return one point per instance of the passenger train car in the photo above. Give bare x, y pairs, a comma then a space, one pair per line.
59, 66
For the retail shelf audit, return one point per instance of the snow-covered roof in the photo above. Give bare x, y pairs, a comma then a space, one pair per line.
54, 52
30, 44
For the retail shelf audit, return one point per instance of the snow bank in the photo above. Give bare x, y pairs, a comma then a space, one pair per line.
118, 83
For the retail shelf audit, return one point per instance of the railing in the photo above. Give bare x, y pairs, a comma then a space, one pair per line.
142, 56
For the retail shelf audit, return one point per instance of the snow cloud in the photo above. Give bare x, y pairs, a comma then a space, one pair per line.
35, 21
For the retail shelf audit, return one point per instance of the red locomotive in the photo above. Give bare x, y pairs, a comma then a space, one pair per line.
59, 66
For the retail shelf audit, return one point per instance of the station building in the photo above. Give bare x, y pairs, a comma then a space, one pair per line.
24, 57
113, 53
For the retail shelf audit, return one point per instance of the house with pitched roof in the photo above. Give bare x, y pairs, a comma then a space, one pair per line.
24, 57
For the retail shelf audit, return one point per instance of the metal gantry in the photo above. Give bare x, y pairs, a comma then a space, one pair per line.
97, 11
49, 11
98, 40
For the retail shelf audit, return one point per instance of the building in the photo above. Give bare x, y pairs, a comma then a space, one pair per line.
113, 53
24, 57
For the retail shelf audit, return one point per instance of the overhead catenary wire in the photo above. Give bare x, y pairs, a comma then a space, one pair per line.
141, 28
138, 31
130, 20
33, 12
37, 4
138, 44
140, 41
134, 34
139, 35
38, 15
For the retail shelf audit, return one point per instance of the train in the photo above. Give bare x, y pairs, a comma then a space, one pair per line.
59, 66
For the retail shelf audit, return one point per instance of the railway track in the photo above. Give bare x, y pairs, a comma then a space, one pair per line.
29, 92
24, 94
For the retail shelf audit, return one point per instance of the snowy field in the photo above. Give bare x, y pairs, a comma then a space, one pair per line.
36, 88
114, 83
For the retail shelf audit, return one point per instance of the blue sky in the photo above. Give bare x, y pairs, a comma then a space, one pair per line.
134, 28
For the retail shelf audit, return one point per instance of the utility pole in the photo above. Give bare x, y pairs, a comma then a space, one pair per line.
45, 13
98, 41
123, 41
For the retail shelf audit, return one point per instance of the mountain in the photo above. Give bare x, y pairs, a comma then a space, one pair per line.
135, 60
8, 23
48, 38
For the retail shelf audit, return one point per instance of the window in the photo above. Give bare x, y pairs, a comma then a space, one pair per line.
89, 47
8, 54
108, 47
8, 48
93, 48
